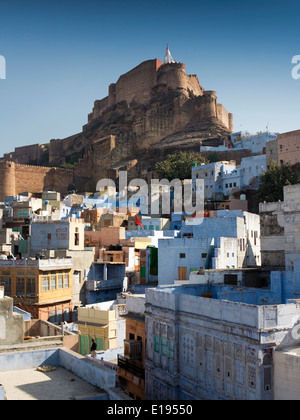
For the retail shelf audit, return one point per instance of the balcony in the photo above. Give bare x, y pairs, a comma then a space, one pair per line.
130, 367
133, 349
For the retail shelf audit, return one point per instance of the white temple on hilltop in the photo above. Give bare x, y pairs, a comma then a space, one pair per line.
168, 57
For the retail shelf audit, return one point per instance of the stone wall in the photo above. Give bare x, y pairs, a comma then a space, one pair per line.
32, 154
18, 178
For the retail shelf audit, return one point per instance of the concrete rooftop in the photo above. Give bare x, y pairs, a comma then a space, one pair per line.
31, 384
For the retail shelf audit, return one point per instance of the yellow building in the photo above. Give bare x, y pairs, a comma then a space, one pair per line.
41, 287
99, 324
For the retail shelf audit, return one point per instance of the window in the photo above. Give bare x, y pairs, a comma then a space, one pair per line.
204, 255
45, 283
76, 243
181, 255
30, 287
67, 281
164, 346
60, 281
20, 287
156, 343
131, 336
6, 282
53, 282
255, 237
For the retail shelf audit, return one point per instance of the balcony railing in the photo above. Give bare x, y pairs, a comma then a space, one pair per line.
47, 263
130, 367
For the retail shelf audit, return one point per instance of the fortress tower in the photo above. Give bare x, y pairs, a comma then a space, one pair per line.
7, 177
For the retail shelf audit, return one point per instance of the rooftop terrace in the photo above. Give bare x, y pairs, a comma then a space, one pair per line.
75, 377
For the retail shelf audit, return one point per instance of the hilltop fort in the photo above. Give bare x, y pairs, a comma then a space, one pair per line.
154, 109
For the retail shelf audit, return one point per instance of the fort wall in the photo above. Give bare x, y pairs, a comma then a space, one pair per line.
18, 178
174, 77
137, 84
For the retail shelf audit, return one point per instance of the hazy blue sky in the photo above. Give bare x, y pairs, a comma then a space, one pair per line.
62, 55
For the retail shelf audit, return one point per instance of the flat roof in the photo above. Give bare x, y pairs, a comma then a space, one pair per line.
59, 384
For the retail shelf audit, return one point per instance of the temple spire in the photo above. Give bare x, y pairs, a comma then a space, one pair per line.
168, 57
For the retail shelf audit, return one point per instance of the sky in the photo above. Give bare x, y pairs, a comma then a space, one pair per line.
61, 56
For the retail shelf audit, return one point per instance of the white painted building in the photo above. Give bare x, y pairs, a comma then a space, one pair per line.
230, 240
212, 175
225, 178
255, 143
251, 169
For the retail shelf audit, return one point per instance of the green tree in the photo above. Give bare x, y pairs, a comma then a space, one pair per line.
274, 179
178, 165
